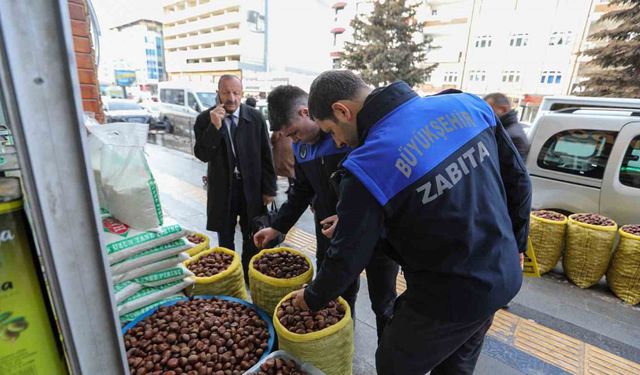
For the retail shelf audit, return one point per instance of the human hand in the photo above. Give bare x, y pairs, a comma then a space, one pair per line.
329, 225
216, 115
267, 199
298, 299
264, 236
522, 261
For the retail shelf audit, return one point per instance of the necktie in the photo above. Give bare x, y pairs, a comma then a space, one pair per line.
232, 138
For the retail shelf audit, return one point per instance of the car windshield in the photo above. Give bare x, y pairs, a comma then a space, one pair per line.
123, 106
207, 99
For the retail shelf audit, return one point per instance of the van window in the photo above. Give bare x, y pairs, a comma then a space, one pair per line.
579, 152
172, 96
630, 169
192, 101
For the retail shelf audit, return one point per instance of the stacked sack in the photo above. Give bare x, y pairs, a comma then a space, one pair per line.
323, 338
623, 276
144, 248
590, 239
274, 273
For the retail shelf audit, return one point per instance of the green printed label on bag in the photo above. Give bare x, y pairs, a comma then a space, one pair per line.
162, 275
135, 314
119, 287
158, 249
156, 199
142, 239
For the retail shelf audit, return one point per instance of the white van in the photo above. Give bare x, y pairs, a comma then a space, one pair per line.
183, 101
585, 157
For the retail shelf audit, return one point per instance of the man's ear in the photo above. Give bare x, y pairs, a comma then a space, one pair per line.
341, 112
303, 111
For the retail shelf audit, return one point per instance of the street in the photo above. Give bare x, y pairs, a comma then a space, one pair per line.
551, 327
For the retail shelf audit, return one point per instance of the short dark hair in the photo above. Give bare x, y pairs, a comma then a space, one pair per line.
330, 87
498, 98
251, 102
228, 76
282, 103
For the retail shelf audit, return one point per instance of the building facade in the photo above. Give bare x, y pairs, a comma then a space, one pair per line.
144, 52
205, 39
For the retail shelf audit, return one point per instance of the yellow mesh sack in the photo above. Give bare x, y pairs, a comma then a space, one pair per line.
199, 247
623, 276
330, 349
587, 252
547, 238
229, 282
267, 291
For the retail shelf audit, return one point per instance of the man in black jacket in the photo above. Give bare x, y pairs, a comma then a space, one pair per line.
509, 119
440, 175
316, 159
232, 138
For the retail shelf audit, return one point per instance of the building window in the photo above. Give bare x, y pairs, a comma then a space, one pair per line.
434, 12
511, 76
579, 152
478, 75
519, 40
551, 77
560, 38
337, 64
484, 41
450, 77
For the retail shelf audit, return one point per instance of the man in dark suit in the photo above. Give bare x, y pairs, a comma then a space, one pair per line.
232, 138
508, 116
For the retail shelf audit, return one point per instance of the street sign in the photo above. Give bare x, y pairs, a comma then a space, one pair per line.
125, 77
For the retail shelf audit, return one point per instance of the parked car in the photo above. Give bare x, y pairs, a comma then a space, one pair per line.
123, 110
585, 157
158, 118
183, 101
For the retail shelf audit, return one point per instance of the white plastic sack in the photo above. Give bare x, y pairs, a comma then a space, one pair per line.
127, 289
152, 255
173, 261
307, 367
135, 314
123, 242
130, 191
148, 296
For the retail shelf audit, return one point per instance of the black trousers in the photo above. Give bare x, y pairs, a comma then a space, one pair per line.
381, 280
238, 208
414, 344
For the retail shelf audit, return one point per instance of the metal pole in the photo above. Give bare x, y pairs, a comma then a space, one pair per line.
41, 88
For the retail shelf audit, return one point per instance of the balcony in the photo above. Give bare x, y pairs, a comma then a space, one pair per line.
206, 38
202, 24
190, 12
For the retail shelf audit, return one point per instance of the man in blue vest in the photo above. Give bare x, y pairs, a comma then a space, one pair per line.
316, 159
440, 175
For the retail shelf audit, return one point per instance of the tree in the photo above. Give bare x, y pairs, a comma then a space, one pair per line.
616, 62
389, 45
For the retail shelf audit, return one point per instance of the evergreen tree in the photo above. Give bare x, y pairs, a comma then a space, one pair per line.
617, 61
386, 46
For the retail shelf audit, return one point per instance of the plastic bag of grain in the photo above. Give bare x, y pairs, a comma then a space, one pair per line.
147, 296
123, 241
160, 265
590, 240
547, 231
139, 312
329, 349
126, 289
228, 282
623, 276
152, 255
267, 291
130, 191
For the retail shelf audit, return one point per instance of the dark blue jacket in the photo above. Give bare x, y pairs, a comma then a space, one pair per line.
314, 164
444, 180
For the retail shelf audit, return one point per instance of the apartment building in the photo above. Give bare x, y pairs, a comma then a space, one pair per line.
525, 49
205, 39
341, 31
